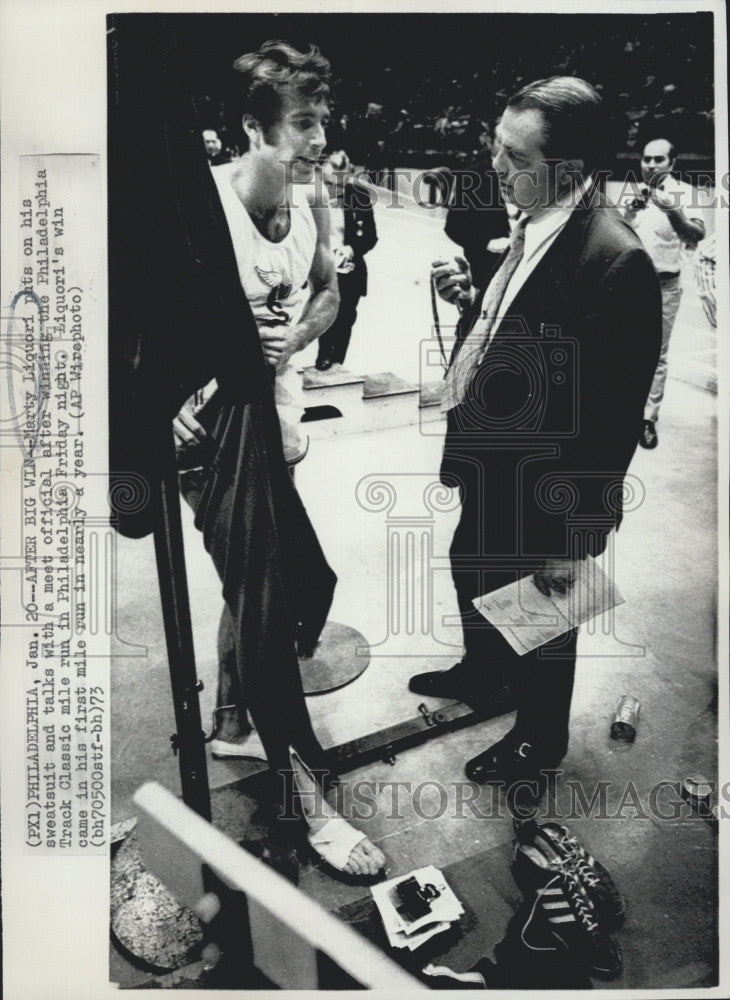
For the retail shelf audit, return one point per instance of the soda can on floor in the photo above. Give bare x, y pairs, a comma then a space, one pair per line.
697, 791
626, 719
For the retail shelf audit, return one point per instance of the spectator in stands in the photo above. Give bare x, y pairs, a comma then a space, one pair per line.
213, 144
352, 235
441, 123
659, 216
217, 148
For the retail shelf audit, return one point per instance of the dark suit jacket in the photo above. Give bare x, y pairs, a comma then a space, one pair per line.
360, 233
555, 409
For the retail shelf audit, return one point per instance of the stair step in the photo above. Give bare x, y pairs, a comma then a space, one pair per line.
313, 378
386, 384
388, 401
429, 407
340, 402
430, 394
340, 389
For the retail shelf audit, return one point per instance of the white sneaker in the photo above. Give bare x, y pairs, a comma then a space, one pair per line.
246, 745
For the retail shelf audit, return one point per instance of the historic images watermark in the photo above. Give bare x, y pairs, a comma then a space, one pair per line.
467, 189
552, 797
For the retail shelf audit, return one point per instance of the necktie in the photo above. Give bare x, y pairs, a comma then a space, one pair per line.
470, 354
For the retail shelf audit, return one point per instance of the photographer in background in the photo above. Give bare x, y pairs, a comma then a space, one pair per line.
659, 216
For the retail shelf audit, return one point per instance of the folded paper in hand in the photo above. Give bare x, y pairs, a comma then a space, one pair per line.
527, 619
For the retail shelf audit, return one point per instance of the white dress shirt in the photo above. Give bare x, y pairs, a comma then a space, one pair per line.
541, 232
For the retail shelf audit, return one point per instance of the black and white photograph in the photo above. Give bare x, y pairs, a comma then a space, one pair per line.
365, 499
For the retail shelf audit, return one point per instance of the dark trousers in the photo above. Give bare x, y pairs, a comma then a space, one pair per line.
334, 343
267, 684
485, 555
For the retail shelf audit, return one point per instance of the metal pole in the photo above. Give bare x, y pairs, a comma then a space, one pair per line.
189, 740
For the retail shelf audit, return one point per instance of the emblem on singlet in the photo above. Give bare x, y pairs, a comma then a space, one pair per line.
279, 290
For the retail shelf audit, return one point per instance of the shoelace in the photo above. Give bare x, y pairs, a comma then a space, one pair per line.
575, 849
583, 870
579, 861
538, 896
575, 894
576, 865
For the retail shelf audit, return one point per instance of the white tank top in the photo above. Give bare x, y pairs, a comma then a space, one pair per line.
274, 277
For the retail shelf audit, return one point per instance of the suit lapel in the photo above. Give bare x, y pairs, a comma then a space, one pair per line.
550, 282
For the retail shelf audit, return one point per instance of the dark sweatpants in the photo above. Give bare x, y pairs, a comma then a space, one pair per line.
265, 598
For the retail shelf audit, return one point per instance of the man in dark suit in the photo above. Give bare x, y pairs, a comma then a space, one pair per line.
544, 398
353, 234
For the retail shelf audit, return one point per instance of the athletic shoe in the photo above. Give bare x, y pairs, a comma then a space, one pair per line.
562, 907
230, 739
529, 957
600, 886
247, 745
541, 852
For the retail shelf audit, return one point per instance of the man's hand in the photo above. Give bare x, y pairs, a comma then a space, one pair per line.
668, 197
556, 574
186, 430
279, 343
453, 280
344, 259
634, 205
498, 245
665, 195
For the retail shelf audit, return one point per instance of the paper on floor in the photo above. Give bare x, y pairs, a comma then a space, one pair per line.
445, 909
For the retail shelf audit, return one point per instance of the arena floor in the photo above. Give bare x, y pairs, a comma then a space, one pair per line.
662, 650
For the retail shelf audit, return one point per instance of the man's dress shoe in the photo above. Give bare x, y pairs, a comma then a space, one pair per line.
457, 683
649, 437
512, 759
491, 764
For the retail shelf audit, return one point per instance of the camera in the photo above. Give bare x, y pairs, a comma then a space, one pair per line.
414, 900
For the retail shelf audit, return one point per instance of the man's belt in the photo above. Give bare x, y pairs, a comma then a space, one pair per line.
668, 275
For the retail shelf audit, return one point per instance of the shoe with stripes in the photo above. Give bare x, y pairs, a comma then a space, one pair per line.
565, 911
564, 852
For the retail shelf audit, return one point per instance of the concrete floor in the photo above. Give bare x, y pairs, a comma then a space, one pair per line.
661, 650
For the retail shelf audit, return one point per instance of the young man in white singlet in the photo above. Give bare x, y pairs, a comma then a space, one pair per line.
287, 271
282, 245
